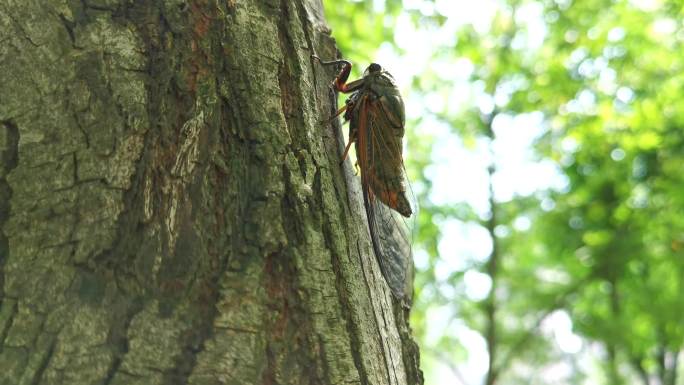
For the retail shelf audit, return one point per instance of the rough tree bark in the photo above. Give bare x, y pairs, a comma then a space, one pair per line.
172, 210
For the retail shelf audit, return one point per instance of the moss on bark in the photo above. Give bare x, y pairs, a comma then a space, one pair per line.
171, 206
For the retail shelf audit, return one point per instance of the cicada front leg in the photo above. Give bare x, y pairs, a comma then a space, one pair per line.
352, 139
340, 82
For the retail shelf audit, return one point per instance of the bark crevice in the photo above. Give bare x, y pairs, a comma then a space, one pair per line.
8, 320
44, 362
9, 157
118, 339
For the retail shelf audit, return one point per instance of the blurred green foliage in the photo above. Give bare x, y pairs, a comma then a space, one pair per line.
361, 26
605, 249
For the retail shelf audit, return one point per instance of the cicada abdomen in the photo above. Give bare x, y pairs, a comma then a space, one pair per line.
375, 111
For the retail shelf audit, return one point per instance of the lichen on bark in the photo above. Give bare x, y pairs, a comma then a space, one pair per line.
172, 210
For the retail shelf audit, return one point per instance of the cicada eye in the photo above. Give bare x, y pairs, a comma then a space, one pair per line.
374, 67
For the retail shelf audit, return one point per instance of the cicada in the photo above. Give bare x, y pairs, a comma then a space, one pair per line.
375, 112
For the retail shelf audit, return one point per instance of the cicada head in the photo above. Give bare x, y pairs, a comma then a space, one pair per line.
372, 68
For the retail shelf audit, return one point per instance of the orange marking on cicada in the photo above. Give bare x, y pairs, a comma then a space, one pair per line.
389, 197
340, 85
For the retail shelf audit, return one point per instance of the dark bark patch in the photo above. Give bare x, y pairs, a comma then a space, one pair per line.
306, 25
4, 332
44, 362
290, 93
203, 295
192, 341
117, 338
9, 157
201, 19
176, 273
69, 27
199, 62
409, 347
91, 288
277, 291
285, 353
268, 377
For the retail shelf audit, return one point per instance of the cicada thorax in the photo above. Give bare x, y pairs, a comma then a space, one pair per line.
376, 116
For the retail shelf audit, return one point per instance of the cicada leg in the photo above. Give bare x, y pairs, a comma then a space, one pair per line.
340, 82
338, 113
352, 139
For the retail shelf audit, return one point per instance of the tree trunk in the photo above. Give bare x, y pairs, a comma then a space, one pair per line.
172, 208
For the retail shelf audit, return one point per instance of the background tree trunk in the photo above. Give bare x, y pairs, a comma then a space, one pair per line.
171, 206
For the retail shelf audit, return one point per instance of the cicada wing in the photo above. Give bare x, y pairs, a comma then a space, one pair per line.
391, 239
386, 191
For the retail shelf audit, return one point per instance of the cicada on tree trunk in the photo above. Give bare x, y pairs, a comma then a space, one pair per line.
375, 112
